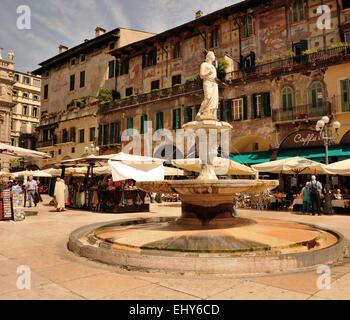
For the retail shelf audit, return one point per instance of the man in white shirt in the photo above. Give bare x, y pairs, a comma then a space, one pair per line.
315, 188
32, 188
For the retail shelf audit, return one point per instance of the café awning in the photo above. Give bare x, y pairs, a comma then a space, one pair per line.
252, 157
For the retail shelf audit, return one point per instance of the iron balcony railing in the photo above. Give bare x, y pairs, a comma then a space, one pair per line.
290, 64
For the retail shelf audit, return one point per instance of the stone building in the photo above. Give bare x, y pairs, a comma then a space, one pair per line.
284, 73
6, 102
71, 81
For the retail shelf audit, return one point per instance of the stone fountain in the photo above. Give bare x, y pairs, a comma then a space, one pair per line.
207, 239
207, 201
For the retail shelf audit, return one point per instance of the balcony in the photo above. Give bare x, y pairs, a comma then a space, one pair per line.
303, 112
155, 95
45, 144
290, 65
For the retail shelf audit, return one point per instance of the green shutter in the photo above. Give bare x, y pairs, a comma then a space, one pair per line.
245, 108
160, 124
176, 118
188, 114
82, 79
265, 104
196, 110
117, 132
129, 125
143, 125
228, 110
253, 106
112, 134
111, 69
220, 113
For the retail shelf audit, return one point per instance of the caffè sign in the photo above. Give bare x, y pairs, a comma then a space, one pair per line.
302, 139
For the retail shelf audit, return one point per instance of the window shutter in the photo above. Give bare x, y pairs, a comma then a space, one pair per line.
266, 106
100, 135
187, 114
160, 120
111, 134
143, 125
245, 108
117, 132
228, 110
111, 69
253, 106
345, 94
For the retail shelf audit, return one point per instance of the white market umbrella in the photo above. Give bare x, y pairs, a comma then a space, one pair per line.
16, 152
34, 173
222, 166
341, 168
4, 174
296, 165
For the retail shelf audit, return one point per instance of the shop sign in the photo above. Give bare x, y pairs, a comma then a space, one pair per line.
302, 139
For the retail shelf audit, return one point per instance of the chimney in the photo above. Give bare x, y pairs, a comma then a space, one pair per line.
62, 48
199, 14
99, 31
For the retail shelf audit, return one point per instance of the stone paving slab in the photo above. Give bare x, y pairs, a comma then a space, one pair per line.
40, 241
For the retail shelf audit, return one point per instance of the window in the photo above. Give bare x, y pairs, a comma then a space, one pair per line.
25, 95
82, 79
347, 37
46, 92
73, 62
64, 135
214, 38
143, 124
25, 110
59, 151
14, 92
346, 4
82, 136
159, 121
317, 94
130, 126
248, 27
176, 80
128, 92
115, 132
100, 134
287, 103
72, 134
177, 118
73, 150
298, 11
238, 109
82, 58
26, 80
152, 57
92, 134
261, 105
345, 94
35, 112
36, 97
124, 68
177, 48
111, 69
155, 85
72, 82
17, 77
112, 46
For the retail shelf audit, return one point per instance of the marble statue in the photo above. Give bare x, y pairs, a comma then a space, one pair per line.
208, 109
11, 55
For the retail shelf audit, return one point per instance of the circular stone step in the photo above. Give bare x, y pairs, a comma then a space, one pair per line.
256, 245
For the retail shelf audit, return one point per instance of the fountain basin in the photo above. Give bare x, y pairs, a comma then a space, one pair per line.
207, 202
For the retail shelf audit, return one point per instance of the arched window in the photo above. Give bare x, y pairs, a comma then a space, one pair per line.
317, 98
287, 98
298, 11
287, 103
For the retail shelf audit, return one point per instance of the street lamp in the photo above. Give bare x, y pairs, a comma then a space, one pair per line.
328, 135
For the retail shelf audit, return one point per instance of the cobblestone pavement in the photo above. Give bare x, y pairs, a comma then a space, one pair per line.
40, 242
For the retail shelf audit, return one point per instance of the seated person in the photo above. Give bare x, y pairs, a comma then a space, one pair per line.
338, 195
346, 194
279, 198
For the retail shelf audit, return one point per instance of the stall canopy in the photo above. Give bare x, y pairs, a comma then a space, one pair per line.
8, 151
294, 165
341, 168
222, 166
4, 174
35, 173
99, 160
126, 166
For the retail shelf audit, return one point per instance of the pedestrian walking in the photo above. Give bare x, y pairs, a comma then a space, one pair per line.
59, 195
315, 189
307, 204
32, 188
40, 190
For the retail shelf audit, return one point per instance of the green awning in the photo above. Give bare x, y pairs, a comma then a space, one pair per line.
316, 154
252, 157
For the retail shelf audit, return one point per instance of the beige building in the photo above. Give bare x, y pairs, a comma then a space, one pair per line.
26, 113
6, 103
71, 81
